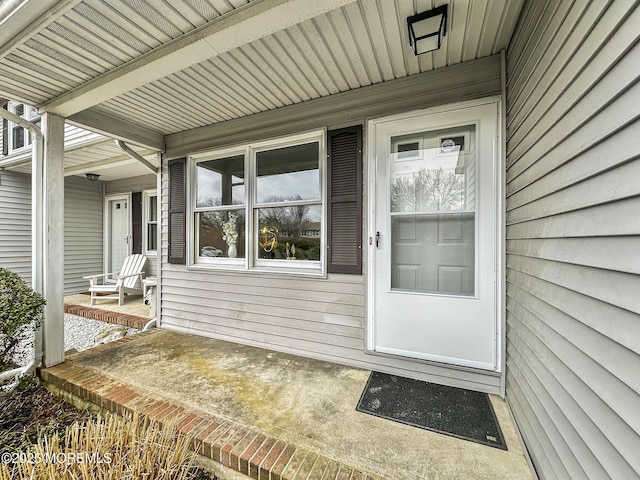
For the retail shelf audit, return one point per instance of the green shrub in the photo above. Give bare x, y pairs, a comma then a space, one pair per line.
21, 311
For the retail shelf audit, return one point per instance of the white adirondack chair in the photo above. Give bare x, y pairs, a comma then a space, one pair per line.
128, 280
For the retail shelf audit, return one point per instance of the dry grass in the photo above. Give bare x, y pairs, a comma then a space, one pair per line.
107, 449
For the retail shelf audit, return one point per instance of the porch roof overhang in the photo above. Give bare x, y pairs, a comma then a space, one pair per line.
142, 71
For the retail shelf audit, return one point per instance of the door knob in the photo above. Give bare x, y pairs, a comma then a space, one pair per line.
377, 239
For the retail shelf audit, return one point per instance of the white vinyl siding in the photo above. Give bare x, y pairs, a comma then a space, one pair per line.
315, 317
83, 237
83, 228
573, 231
15, 223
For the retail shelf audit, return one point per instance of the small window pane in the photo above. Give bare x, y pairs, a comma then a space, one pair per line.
152, 237
220, 182
18, 137
289, 173
221, 234
153, 209
291, 232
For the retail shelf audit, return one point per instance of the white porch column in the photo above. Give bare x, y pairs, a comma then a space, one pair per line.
51, 204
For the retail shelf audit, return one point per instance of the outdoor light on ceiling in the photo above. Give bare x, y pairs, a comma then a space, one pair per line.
426, 30
92, 177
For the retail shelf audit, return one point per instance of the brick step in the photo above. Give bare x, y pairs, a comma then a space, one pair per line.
130, 321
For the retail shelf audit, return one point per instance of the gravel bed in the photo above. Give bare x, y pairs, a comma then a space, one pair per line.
79, 333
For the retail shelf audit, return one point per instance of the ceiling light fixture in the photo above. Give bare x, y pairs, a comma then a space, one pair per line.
427, 29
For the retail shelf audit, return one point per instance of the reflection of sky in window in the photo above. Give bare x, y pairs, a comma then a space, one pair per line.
283, 174
304, 185
210, 189
288, 173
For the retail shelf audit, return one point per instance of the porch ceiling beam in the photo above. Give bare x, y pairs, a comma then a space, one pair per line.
109, 126
247, 24
107, 163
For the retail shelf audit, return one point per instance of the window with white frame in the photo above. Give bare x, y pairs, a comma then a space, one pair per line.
150, 222
19, 137
260, 205
220, 208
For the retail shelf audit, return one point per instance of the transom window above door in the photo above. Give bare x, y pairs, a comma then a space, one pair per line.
260, 206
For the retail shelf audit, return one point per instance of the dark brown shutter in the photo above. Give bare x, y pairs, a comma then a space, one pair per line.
136, 222
5, 133
345, 200
177, 211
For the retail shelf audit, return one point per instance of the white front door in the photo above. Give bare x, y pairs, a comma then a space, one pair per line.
434, 261
117, 234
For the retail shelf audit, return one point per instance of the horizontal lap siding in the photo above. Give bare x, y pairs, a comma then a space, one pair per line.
286, 310
573, 228
83, 232
83, 228
15, 223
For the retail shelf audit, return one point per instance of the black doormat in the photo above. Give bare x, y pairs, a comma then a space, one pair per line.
453, 411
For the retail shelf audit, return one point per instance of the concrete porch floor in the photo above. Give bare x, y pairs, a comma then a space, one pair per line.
272, 415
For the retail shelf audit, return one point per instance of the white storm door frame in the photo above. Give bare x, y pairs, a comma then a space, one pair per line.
498, 184
107, 226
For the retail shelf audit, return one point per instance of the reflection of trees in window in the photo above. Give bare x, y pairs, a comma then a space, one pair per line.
211, 203
298, 231
212, 231
291, 221
428, 190
211, 220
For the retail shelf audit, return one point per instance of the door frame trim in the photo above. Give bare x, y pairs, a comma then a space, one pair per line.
107, 230
499, 340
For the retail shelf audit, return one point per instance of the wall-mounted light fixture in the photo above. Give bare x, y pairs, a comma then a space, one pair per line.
427, 29
92, 177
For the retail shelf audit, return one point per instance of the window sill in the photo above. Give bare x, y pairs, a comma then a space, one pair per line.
259, 270
20, 150
17, 155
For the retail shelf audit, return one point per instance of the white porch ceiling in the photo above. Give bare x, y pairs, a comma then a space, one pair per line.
175, 65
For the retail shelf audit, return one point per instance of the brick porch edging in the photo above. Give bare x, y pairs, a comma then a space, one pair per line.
238, 447
130, 321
